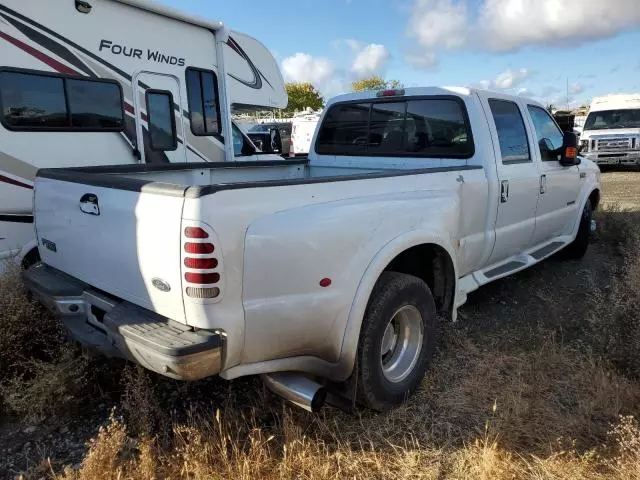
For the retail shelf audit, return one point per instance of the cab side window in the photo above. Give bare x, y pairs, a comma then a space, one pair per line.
512, 134
549, 136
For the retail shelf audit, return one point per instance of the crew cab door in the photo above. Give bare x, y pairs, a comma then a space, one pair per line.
559, 186
517, 178
159, 125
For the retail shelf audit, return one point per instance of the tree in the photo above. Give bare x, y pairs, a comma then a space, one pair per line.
375, 82
302, 96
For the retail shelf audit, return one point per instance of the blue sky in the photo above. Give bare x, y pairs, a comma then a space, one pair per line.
527, 47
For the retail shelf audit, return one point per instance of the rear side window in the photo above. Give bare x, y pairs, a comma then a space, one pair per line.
512, 135
204, 110
431, 127
345, 130
34, 101
161, 120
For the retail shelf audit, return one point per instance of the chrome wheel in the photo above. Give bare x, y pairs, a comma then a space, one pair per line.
401, 343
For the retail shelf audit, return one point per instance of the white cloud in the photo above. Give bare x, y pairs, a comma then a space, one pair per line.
507, 80
303, 67
525, 92
576, 87
424, 61
550, 90
503, 25
511, 24
511, 78
370, 60
439, 23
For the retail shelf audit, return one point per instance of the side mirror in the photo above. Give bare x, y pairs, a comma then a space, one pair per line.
569, 154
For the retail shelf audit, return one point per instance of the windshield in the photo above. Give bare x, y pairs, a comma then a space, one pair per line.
608, 119
259, 128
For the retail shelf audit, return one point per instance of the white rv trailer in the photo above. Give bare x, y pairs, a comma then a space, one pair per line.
103, 82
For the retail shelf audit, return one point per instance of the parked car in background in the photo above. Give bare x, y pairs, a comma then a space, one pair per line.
331, 270
271, 137
611, 133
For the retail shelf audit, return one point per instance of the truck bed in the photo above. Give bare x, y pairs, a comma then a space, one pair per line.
198, 179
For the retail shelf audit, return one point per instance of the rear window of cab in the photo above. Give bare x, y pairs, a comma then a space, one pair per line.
431, 127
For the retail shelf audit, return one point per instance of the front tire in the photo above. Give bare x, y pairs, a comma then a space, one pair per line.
578, 248
397, 339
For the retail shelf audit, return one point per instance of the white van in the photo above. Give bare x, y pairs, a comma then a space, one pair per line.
115, 81
611, 133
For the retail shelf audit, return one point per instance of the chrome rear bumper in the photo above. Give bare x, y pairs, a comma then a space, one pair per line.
118, 328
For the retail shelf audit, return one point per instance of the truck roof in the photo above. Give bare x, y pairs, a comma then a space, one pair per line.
615, 102
429, 91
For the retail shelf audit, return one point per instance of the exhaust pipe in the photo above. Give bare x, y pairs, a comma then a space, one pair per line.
296, 388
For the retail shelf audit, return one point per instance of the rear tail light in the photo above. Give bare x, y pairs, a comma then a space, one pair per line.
195, 232
199, 248
203, 293
201, 263
202, 278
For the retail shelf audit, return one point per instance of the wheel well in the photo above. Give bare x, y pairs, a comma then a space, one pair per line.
594, 198
32, 257
432, 264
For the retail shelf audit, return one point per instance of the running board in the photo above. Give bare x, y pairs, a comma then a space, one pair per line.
521, 261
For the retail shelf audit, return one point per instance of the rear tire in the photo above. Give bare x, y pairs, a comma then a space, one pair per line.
578, 248
397, 339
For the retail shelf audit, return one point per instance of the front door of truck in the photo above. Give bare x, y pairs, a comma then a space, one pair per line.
559, 186
517, 178
159, 124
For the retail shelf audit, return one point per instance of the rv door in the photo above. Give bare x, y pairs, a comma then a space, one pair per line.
159, 124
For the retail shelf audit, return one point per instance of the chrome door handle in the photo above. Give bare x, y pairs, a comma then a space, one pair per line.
504, 191
543, 184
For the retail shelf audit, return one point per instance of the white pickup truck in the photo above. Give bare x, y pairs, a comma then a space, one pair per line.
328, 270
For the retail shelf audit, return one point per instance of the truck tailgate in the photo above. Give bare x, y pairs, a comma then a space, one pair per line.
125, 243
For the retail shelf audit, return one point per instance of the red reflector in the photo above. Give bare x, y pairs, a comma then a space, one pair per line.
202, 278
201, 263
201, 248
195, 232
325, 282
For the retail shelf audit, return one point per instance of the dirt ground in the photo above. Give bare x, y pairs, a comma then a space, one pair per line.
516, 368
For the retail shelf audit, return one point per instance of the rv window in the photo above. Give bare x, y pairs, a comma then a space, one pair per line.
33, 101
204, 111
161, 120
95, 105
46, 101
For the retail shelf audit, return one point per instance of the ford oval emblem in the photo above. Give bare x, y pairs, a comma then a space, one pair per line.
161, 284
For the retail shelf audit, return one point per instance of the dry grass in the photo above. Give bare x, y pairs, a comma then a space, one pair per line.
28, 331
541, 393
